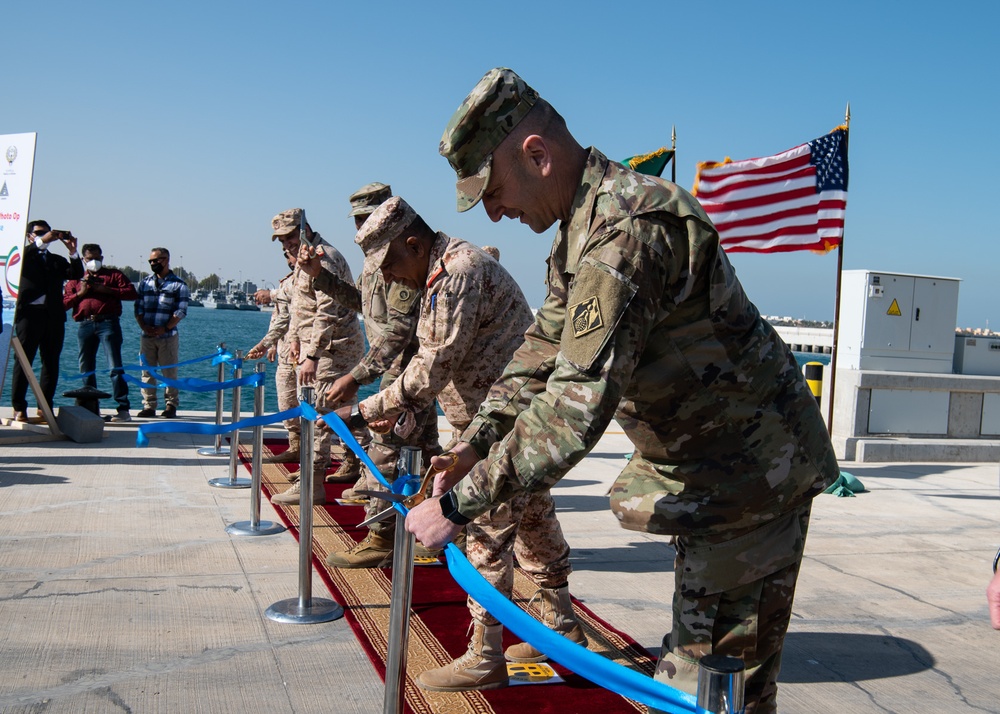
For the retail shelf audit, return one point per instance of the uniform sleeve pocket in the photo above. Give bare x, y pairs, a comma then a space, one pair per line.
598, 298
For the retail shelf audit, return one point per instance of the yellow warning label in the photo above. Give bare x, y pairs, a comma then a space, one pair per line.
894, 309
530, 672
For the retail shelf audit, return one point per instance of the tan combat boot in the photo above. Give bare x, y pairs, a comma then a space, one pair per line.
351, 494
291, 496
481, 667
289, 456
557, 615
349, 469
375, 551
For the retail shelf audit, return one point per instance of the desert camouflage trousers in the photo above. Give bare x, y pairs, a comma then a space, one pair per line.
288, 398
733, 597
525, 526
384, 452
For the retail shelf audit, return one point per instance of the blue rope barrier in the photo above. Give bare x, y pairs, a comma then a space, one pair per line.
589, 665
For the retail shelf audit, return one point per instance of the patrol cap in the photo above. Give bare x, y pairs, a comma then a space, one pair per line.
369, 197
491, 111
386, 223
287, 222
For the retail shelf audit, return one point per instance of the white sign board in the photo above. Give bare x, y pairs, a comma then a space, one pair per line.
16, 165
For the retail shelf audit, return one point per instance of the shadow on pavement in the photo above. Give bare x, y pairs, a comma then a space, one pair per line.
811, 657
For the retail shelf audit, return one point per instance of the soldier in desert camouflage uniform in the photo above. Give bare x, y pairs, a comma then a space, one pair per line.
390, 324
275, 345
325, 339
472, 318
645, 321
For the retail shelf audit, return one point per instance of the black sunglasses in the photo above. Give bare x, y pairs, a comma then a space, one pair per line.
154, 261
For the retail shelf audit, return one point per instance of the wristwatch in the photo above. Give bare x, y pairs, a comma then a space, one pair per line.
356, 421
313, 358
449, 509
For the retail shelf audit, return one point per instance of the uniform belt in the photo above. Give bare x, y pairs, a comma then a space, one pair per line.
97, 318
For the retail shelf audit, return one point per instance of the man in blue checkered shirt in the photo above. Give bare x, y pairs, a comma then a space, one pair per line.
162, 303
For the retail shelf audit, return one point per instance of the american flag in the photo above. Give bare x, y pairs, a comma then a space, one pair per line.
794, 200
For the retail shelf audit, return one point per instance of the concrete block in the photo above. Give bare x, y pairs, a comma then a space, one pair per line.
80, 425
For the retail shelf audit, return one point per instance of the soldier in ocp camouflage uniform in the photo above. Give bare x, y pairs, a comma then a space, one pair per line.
390, 317
325, 339
472, 318
275, 345
645, 321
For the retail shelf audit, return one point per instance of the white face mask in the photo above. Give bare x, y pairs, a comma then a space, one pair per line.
39, 243
93, 265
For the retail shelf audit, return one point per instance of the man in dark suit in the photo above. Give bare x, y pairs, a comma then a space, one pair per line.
39, 318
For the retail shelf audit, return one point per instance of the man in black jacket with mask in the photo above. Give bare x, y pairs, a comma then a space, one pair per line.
40, 319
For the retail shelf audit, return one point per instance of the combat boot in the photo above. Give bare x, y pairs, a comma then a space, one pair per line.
481, 667
349, 469
375, 551
289, 456
351, 494
291, 496
557, 615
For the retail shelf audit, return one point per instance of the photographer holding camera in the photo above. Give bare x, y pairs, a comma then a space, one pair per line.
39, 318
96, 301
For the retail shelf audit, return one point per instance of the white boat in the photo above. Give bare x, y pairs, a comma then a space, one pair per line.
217, 300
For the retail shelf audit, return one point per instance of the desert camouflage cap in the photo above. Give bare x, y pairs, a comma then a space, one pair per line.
386, 223
491, 111
369, 197
286, 222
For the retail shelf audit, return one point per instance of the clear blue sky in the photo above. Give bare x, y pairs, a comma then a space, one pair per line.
189, 124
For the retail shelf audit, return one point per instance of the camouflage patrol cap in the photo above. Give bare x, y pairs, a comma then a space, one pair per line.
491, 111
287, 222
386, 223
369, 197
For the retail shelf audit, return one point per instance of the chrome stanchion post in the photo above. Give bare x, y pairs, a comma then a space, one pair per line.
410, 465
234, 438
254, 526
305, 609
218, 449
720, 684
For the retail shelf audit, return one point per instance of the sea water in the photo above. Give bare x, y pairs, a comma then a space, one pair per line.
201, 332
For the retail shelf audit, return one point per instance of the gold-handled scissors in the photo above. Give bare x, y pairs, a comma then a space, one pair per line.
407, 501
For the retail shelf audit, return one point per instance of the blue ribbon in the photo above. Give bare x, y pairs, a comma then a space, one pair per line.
191, 384
589, 665
179, 427
218, 356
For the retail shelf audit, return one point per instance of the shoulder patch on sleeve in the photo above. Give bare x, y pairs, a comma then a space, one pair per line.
598, 299
402, 298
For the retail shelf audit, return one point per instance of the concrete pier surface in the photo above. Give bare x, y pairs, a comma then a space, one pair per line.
122, 592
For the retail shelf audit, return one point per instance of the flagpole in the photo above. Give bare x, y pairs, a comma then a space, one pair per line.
673, 159
836, 310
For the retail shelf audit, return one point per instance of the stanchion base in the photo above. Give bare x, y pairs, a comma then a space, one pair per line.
263, 528
211, 451
290, 612
230, 483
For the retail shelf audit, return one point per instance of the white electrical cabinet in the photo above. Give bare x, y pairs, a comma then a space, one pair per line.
897, 323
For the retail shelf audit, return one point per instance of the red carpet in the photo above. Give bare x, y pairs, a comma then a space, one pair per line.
438, 626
